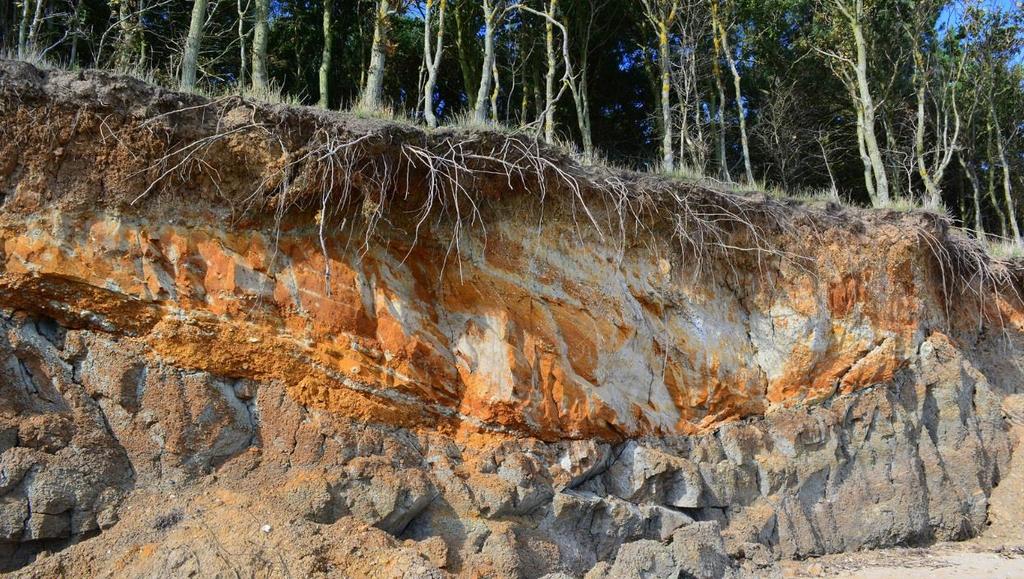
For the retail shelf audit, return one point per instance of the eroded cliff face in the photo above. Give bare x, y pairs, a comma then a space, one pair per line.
364, 387
529, 330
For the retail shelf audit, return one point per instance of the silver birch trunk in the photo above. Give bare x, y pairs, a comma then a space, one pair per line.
869, 176
37, 19
495, 90
190, 59
667, 155
325, 57
744, 141
972, 178
1011, 207
723, 160
260, 36
582, 99
432, 55
373, 92
549, 78
577, 84
23, 28
480, 113
125, 40
243, 55
878, 170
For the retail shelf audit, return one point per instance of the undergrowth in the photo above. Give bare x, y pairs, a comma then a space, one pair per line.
1004, 249
274, 94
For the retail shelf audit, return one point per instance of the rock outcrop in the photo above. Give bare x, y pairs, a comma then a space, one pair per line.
308, 343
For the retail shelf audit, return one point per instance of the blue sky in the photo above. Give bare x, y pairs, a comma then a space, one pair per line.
1000, 4
1005, 5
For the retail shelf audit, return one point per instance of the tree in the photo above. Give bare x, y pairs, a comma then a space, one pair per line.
574, 82
786, 137
33, 29
549, 77
128, 51
584, 20
1007, 180
661, 15
937, 77
260, 35
721, 30
190, 58
691, 30
432, 57
373, 91
23, 27
494, 12
551, 63
716, 69
850, 61
325, 57
465, 13
243, 58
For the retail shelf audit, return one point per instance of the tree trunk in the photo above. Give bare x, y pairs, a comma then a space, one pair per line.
933, 196
129, 51
243, 56
569, 80
463, 43
684, 117
5, 21
684, 130
524, 104
373, 92
723, 160
432, 58
991, 181
549, 78
945, 145
23, 28
125, 40
972, 178
495, 91
538, 93
141, 31
190, 60
744, 142
833, 189
428, 54
716, 69
869, 177
73, 57
874, 153
698, 153
33, 30
260, 36
325, 57
582, 97
1011, 206
667, 155
480, 113
653, 77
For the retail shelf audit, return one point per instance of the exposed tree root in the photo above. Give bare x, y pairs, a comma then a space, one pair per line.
371, 179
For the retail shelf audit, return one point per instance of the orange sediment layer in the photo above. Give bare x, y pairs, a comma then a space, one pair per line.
542, 337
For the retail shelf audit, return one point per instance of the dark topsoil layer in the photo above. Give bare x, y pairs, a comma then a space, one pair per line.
95, 139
